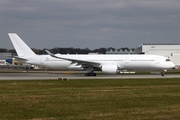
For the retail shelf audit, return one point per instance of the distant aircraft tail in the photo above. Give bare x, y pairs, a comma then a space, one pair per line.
20, 46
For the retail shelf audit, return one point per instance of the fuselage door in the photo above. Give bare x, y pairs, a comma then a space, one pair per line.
42, 60
157, 60
127, 60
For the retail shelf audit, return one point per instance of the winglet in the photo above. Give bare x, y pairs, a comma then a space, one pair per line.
51, 54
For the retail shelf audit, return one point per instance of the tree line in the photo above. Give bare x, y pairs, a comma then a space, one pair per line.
70, 50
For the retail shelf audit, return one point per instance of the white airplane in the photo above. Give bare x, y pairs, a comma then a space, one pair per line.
108, 64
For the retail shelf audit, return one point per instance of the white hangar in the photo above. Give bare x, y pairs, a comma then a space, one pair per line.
170, 50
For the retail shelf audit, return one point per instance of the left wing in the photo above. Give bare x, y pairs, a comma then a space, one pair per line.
84, 63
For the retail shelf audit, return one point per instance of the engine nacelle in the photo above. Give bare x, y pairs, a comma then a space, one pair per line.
110, 69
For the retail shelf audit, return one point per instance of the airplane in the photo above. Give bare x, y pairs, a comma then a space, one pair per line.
108, 64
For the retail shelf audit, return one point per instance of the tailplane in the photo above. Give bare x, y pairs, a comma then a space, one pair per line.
20, 46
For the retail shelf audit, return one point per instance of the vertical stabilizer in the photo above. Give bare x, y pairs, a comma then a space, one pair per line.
20, 46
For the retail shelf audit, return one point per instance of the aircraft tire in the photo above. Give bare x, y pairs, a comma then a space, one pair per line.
90, 74
163, 74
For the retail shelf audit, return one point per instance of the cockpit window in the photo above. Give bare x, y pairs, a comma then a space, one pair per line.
167, 60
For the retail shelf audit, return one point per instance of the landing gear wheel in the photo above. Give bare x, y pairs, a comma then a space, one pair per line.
163, 74
94, 74
90, 74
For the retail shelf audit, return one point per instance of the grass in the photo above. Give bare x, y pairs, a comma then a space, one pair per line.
123, 99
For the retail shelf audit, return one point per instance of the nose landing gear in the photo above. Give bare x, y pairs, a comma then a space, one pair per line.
163, 73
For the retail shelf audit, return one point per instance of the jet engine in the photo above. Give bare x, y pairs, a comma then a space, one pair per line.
110, 69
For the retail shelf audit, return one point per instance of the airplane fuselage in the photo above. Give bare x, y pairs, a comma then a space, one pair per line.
135, 62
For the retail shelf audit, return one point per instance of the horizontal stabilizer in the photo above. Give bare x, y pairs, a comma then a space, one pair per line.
20, 58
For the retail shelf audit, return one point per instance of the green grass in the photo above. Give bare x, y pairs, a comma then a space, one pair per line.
123, 99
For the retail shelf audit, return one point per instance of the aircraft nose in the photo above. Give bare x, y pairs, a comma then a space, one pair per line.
173, 65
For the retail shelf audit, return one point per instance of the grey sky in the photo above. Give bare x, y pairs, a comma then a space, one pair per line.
90, 23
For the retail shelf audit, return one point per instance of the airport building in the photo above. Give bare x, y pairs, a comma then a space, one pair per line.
7, 61
121, 51
4, 57
171, 50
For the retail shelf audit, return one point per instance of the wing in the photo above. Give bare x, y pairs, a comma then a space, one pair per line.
84, 63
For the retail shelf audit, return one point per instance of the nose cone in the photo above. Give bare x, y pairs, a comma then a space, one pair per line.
172, 65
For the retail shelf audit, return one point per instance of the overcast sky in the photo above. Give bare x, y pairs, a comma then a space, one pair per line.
90, 23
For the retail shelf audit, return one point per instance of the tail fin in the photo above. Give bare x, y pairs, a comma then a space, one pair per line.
20, 46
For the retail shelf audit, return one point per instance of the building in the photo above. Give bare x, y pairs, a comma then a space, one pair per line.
170, 50
4, 57
7, 59
121, 51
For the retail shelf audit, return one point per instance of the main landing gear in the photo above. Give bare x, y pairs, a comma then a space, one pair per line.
90, 74
163, 73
